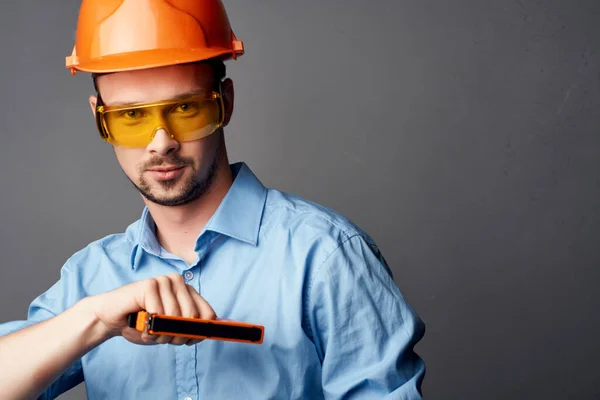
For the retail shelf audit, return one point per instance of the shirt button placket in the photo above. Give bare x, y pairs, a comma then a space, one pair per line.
186, 358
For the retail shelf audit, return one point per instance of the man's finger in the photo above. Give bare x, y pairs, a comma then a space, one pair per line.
206, 311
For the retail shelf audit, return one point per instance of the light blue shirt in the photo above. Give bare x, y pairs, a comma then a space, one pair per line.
336, 324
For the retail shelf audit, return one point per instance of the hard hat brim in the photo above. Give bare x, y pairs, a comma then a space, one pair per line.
149, 59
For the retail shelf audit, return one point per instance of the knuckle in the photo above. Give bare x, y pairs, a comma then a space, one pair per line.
177, 278
173, 275
163, 339
151, 284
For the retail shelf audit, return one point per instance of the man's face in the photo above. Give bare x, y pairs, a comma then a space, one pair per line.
165, 172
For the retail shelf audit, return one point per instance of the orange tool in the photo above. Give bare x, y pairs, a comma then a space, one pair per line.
195, 328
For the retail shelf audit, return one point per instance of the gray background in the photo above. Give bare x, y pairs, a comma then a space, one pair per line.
462, 135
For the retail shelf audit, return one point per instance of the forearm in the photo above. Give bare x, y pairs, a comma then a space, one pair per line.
33, 358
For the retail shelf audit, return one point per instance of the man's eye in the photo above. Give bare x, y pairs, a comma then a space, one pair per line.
132, 114
186, 107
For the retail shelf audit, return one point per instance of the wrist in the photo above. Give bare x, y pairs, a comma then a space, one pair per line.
94, 330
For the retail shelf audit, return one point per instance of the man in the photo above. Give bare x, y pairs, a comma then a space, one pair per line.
212, 242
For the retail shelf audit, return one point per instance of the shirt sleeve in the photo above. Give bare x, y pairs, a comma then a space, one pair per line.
61, 296
363, 328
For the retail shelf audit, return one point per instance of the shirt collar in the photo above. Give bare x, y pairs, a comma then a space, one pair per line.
238, 216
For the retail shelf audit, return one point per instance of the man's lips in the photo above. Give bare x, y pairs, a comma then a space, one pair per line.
165, 169
166, 173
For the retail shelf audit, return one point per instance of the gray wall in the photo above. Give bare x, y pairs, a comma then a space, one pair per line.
463, 135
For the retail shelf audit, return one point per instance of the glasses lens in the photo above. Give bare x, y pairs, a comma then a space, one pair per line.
193, 120
185, 120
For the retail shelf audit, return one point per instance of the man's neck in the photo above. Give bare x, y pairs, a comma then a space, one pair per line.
177, 228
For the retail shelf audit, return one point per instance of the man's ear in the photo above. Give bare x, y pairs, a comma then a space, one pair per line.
93, 101
228, 96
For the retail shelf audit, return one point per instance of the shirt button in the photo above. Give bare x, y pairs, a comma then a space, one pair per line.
187, 398
188, 276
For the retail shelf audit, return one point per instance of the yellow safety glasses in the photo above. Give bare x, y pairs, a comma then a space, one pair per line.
184, 120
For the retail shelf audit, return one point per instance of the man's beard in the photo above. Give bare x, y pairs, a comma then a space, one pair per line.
193, 187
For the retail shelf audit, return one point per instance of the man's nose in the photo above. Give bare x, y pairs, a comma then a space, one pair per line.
163, 143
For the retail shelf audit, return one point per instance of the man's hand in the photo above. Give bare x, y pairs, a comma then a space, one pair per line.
53, 345
168, 295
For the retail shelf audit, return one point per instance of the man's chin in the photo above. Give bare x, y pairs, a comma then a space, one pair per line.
168, 197
169, 201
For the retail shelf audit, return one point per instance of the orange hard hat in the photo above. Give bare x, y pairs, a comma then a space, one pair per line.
121, 35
